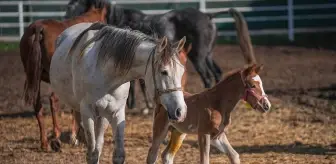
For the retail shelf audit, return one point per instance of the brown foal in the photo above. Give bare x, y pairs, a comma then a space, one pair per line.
208, 115
37, 46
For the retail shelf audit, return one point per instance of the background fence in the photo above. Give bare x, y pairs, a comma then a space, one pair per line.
264, 17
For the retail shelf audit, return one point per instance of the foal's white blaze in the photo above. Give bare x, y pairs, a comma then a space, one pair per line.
258, 79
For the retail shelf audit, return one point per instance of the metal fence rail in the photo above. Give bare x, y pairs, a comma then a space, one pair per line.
288, 8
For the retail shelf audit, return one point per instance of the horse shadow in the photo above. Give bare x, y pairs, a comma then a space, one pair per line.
294, 148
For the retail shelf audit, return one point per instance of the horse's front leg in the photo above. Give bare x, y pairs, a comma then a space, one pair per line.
88, 119
174, 145
117, 121
160, 130
222, 144
204, 144
100, 128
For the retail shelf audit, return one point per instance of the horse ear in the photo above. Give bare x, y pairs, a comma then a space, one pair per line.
259, 68
180, 44
250, 69
163, 44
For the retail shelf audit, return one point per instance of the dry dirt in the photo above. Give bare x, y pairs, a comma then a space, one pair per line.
300, 128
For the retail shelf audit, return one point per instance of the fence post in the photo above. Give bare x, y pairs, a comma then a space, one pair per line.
203, 5
21, 22
290, 13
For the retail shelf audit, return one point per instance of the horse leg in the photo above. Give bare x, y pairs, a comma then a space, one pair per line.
222, 144
160, 130
174, 145
143, 90
131, 95
39, 115
88, 123
204, 144
101, 126
202, 70
76, 129
54, 106
117, 121
214, 68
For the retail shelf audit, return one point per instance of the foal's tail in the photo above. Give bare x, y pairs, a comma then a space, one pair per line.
33, 67
243, 36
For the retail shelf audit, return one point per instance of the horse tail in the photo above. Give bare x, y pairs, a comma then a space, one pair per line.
33, 68
212, 15
94, 26
243, 36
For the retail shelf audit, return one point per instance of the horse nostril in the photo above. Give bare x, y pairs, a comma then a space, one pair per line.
178, 112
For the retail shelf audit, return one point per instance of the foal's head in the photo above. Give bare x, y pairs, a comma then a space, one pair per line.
166, 76
254, 92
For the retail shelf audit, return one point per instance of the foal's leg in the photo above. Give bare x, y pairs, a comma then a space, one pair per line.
204, 144
222, 144
89, 123
174, 145
160, 129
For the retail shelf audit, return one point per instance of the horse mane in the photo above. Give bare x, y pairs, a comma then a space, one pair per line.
119, 44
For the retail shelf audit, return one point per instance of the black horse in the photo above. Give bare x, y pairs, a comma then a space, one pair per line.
198, 28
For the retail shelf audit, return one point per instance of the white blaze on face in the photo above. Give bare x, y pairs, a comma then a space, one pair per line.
258, 79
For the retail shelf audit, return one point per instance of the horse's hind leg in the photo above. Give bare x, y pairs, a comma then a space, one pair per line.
216, 71
203, 71
174, 145
54, 106
222, 144
39, 115
131, 95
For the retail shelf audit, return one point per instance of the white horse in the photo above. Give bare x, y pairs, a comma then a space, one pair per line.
91, 72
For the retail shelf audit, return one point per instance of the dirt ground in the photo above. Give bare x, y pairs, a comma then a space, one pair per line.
300, 128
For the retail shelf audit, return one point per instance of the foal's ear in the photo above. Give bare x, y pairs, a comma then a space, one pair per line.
259, 68
180, 44
163, 43
250, 69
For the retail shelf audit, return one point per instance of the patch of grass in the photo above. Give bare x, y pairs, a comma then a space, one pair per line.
9, 46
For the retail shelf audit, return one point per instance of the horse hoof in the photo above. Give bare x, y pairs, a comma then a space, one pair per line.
55, 145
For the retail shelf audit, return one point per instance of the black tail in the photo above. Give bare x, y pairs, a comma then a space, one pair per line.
243, 36
212, 15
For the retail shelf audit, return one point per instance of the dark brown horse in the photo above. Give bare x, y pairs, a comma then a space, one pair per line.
37, 46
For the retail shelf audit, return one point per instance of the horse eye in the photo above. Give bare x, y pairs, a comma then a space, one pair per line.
164, 73
253, 86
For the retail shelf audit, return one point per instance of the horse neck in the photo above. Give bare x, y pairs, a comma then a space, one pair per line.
226, 94
90, 16
141, 62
